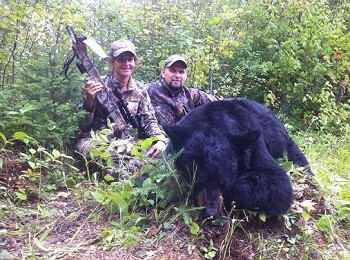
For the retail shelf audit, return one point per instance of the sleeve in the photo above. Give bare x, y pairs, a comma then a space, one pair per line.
148, 119
200, 98
95, 118
85, 122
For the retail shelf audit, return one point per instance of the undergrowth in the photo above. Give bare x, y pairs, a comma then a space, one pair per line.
154, 203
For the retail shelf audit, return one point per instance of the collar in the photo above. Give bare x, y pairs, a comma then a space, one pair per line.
131, 83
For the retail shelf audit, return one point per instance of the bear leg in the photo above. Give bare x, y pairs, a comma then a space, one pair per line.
266, 191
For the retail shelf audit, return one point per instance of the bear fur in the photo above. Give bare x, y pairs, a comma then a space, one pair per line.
229, 150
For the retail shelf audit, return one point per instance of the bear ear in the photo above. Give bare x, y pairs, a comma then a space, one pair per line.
246, 138
176, 133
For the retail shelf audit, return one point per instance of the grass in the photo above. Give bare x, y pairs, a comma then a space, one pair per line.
138, 222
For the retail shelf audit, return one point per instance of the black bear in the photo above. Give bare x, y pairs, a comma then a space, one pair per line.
229, 149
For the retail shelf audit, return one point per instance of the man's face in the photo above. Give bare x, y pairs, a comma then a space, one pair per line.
175, 75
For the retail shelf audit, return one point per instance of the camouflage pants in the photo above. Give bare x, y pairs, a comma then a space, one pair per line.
124, 164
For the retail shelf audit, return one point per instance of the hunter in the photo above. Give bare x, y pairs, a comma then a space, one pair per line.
100, 101
170, 98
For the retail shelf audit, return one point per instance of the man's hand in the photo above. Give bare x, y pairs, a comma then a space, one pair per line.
156, 149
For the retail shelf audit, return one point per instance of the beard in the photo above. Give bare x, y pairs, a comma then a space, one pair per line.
175, 85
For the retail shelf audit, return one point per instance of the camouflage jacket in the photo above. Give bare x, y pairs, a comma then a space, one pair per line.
138, 103
171, 107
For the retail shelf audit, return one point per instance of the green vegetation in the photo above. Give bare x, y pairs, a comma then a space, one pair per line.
293, 56
153, 206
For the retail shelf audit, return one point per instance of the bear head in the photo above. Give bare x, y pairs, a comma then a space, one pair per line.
211, 159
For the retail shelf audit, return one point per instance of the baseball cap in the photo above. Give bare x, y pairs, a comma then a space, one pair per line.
174, 58
120, 46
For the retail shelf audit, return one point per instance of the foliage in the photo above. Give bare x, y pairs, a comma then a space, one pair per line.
32, 55
40, 170
144, 207
209, 251
333, 174
126, 194
154, 189
283, 54
295, 57
291, 55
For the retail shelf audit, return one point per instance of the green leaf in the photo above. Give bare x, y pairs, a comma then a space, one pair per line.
99, 197
146, 169
147, 183
70, 182
325, 223
145, 144
214, 20
23, 137
56, 153
20, 134
194, 229
95, 152
306, 216
118, 200
32, 165
108, 234
343, 213
308, 205
3, 137
105, 131
109, 177
211, 242
262, 217
21, 195
211, 254
28, 107
105, 155
12, 113
137, 154
204, 249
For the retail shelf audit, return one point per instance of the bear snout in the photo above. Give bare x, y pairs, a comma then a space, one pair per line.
212, 200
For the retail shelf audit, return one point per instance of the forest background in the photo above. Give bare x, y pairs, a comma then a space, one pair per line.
290, 55
293, 56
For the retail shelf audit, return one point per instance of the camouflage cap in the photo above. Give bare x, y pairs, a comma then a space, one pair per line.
174, 58
120, 46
